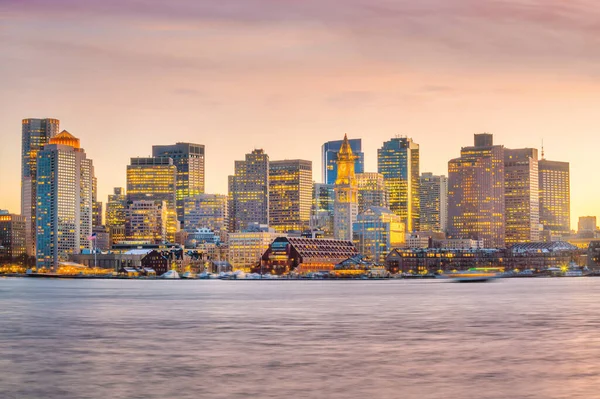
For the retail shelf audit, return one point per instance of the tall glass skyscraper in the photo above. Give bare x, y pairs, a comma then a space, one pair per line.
35, 134
329, 153
398, 162
290, 195
155, 179
434, 202
188, 158
249, 191
64, 197
323, 208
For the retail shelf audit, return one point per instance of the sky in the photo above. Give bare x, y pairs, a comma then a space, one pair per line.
288, 75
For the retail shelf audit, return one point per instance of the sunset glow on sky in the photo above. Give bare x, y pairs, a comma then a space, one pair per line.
288, 75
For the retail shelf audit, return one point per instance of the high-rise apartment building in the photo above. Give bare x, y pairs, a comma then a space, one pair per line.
323, 208
371, 191
346, 194
521, 196
249, 191
329, 153
476, 193
64, 200
207, 211
146, 221
35, 134
96, 205
290, 195
188, 158
555, 196
13, 231
434, 202
398, 162
155, 179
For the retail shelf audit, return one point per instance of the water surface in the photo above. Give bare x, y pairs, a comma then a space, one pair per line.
517, 338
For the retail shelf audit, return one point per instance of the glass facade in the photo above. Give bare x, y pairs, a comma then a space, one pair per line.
329, 153
64, 200
376, 232
371, 191
12, 236
434, 202
323, 208
398, 162
35, 134
290, 195
155, 179
249, 191
189, 160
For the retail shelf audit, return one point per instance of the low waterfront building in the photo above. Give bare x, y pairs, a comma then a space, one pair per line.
157, 261
303, 255
538, 256
593, 255
246, 248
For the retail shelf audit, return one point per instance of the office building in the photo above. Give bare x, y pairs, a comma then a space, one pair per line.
587, 227
35, 134
189, 160
521, 196
290, 195
246, 248
207, 211
346, 194
398, 162
323, 208
371, 191
476, 193
115, 215
329, 153
64, 200
146, 222
13, 232
434, 202
96, 205
249, 191
377, 231
555, 196
155, 179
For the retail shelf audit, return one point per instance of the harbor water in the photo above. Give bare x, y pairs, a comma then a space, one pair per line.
514, 338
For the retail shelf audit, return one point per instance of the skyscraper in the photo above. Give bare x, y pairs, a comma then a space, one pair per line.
371, 191
377, 231
64, 197
329, 153
116, 207
555, 196
398, 162
290, 195
96, 205
476, 192
249, 191
346, 193
586, 228
146, 221
207, 211
35, 134
188, 158
155, 179
434, 202
521, 196
12, 236
323, 208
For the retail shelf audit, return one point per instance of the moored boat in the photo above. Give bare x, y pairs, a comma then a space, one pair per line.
475, 275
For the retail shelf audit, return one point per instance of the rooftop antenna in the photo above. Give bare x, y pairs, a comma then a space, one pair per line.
543, 154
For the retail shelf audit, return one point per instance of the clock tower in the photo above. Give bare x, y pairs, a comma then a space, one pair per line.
346, 193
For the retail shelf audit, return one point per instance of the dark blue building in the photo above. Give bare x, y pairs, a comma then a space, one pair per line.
329, 158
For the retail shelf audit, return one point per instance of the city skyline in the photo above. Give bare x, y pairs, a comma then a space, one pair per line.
326, 71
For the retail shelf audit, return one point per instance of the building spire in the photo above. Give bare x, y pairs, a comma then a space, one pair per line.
543, 154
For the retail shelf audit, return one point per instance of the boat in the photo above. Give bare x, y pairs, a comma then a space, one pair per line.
189, 275
475, 275
171, 274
